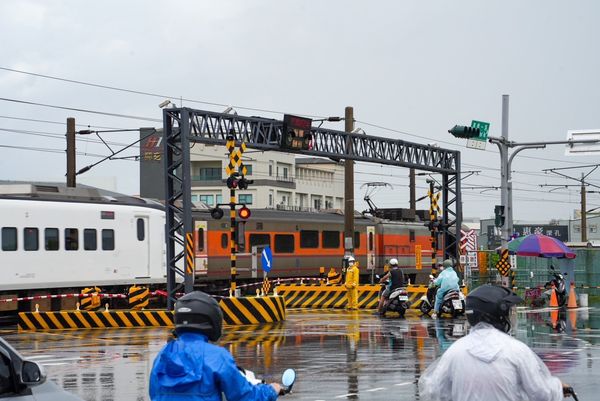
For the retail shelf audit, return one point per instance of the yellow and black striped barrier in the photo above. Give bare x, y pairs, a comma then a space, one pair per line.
253, 310
90, 302
81, 319
334, 296
138, 297
236, 311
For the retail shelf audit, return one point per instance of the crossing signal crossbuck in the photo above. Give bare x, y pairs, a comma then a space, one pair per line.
461, 131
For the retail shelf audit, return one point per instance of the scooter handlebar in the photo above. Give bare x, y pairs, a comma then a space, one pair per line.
568, 391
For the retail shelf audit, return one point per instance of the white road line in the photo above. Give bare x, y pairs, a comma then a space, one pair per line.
347, 395
33, 357
375, 389
403, 384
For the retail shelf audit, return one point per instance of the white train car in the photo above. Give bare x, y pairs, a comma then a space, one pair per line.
54, 237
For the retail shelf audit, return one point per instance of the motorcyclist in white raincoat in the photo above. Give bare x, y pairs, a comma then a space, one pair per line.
488, 364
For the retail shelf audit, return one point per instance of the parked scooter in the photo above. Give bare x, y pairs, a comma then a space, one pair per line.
560, 286
453, 302
287, 379
397, 301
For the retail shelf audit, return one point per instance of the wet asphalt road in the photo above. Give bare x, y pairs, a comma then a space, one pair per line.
337, 354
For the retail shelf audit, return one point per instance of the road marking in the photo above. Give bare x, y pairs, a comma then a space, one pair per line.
375, 389
403, 384
347, 395
33, 357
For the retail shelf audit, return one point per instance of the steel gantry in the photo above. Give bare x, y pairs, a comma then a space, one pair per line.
184, 126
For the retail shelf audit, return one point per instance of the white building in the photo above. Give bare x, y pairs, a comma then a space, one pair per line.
281, 180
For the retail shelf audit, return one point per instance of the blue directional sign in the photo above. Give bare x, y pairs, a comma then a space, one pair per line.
267, 259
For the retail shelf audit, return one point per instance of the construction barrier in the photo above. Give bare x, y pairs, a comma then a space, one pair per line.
236, 311
138, 297
334, 296
253, 310
91, 300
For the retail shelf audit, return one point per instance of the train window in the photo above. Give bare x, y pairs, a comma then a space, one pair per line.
90, 239
224, 241
200, 244
9, 239
284, 243
331, 239
51, 239
356, 240
108, 240
260, 240
71, 239
31, 239
141, 234
309, 239
371, 247
411, 235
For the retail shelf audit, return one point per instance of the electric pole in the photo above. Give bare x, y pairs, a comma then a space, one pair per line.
349, 186
71, 152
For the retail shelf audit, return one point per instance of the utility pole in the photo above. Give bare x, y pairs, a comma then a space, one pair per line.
413, 185
583, 211
349, 186
71, 152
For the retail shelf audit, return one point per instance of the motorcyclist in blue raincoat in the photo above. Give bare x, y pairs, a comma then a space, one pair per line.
191, 368
447, 280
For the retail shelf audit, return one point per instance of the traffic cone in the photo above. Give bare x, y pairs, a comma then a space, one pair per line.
553, 299
554, 318
572, 297
573, 319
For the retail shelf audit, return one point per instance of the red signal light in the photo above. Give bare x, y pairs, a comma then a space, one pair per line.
244, 213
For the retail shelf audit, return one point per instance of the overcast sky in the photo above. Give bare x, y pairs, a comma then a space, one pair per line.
414, 69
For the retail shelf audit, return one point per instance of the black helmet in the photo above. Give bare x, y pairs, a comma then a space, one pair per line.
491, 304
198, 311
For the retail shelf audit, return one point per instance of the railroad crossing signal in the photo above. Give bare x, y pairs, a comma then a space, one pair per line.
434, 207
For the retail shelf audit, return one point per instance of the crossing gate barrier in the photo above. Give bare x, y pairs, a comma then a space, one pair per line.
92, 301
236, 311
334, 296
138, 297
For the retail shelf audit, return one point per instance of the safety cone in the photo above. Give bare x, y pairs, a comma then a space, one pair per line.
554, 318
573, 319
553, 299
572, 297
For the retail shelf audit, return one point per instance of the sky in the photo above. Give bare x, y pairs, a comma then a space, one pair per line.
410, 69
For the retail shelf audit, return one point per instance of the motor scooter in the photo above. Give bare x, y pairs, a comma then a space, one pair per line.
453, 302
287, 379
396, 302
558, 279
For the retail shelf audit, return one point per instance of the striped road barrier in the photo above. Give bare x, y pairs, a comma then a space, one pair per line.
236, 311
334, 296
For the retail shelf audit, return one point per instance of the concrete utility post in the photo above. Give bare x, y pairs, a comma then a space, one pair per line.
349, 186
71, 152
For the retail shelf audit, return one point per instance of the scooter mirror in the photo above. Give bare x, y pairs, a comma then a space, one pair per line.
288, 378
431, 276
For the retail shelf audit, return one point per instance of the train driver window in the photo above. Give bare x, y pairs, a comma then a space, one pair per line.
284, 243
371, 242
71, 239
31, 239
309, 239
141, 234
9, 239
90, 239
224, 241
51, 239
108, 240
331, 239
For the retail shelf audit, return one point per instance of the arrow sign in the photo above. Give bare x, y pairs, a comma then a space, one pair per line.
267, 259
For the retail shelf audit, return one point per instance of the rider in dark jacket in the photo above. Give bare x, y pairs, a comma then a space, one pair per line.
191, 368
394, 278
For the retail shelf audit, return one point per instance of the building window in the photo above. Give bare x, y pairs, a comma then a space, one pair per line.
90, 242
51, 239
31, 239
209, 174
219, 198
284, 243
245, 198
270, 168
208, 199
593, 228
71, 239
331, 239
317, 203
108, 240
576, 228
194, 198
9, 239
270, 199
309, 239
248, 169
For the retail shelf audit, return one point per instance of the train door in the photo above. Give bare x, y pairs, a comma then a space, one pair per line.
200, 248
370, 247
143, 239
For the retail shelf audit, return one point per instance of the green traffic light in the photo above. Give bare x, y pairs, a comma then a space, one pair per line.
461, 131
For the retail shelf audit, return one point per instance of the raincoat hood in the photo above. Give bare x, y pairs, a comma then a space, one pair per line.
174, 367
488, 350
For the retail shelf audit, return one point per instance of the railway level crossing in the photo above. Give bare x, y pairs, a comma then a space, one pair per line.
184, 126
